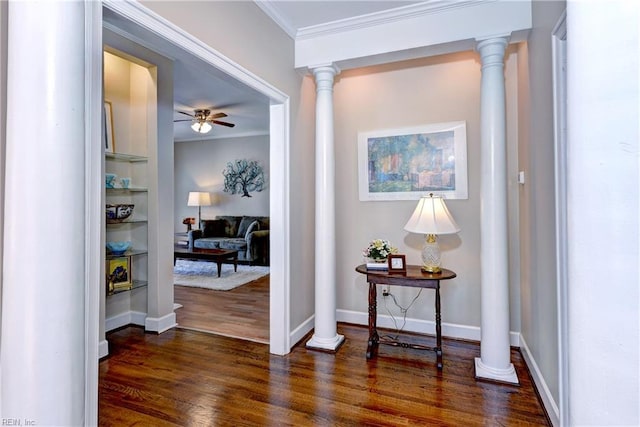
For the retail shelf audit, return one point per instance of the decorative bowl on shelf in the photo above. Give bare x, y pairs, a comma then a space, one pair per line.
118, 213
118, 248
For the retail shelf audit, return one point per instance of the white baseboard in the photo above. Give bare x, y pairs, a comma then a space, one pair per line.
450, 330
545, 394
124, 319
303, 329
160, 324
103, 349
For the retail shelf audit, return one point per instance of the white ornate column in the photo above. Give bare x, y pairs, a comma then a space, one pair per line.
495, 354
325, 336
43, 291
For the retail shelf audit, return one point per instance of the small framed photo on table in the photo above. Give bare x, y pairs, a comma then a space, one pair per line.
397, 264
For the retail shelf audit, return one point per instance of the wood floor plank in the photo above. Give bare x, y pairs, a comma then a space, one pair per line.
188, 378
242, 312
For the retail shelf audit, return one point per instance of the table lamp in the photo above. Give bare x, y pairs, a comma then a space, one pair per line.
199, 199
431, 217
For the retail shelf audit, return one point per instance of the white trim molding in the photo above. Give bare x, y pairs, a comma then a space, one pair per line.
375, 19
96, 346
302, 330
549, 404
124, 319
160, 324
559, 53
103, 349
420, 326
426, 29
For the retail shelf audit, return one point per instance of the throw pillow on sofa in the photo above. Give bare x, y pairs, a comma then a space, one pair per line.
213, 227
255, 226
245, 223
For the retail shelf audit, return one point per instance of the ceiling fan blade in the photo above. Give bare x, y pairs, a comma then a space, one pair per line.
218, 122
186, 114
217, 115
185, 120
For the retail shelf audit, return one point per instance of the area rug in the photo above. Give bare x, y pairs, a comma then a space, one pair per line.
200, 274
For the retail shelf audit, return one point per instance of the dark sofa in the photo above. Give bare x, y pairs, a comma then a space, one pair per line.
248, 234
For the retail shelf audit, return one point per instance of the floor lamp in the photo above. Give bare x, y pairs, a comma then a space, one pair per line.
199, 199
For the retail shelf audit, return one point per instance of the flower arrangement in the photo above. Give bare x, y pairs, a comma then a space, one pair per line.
379, 249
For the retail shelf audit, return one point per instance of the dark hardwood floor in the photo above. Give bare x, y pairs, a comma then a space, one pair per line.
242, 312
189, 378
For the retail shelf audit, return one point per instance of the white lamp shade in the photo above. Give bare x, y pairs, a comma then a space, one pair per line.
199, 198
431, 216
201, 127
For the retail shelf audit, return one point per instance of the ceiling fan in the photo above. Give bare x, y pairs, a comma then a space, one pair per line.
203, 120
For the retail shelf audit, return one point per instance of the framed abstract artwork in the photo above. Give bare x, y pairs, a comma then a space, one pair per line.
406, 164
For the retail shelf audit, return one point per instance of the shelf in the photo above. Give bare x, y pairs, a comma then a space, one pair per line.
131, 252
137, 284
130, 221
127, 190
121, 157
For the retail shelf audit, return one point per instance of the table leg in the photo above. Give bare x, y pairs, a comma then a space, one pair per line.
219, 262
372, 345
235, 263
438, 329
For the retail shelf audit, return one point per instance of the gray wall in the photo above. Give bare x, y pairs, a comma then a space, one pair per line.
434, 90
243, 33
424, 91
199, 166
537, 196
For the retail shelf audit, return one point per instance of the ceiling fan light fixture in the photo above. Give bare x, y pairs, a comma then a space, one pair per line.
201, 126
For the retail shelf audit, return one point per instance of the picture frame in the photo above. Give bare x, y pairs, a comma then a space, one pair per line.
108, 142
408, 163
397, 264
118, 271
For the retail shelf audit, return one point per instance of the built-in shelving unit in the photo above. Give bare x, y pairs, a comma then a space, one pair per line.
130, 93
132, 229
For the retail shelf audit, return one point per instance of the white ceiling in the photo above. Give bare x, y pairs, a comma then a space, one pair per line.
197, 86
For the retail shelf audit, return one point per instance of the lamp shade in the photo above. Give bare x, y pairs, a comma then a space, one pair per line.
431, 216
199, 198
201, 126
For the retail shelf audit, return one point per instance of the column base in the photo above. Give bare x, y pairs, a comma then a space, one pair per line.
484, 372
325, 344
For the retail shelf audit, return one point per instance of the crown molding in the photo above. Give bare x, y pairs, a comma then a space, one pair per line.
283, 22
206, 137
383, 17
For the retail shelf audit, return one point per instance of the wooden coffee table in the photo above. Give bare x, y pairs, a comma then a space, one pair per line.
216, 255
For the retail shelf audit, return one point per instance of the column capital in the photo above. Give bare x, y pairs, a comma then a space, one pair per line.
492, 50
323, 69
324, 76
495, 40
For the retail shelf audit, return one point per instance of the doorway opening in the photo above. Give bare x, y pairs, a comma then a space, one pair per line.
136, 23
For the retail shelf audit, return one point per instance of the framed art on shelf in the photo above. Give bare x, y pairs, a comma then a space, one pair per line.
408, 163
118, 274
108, 128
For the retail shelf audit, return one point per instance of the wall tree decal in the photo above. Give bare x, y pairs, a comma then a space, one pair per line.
243, 176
